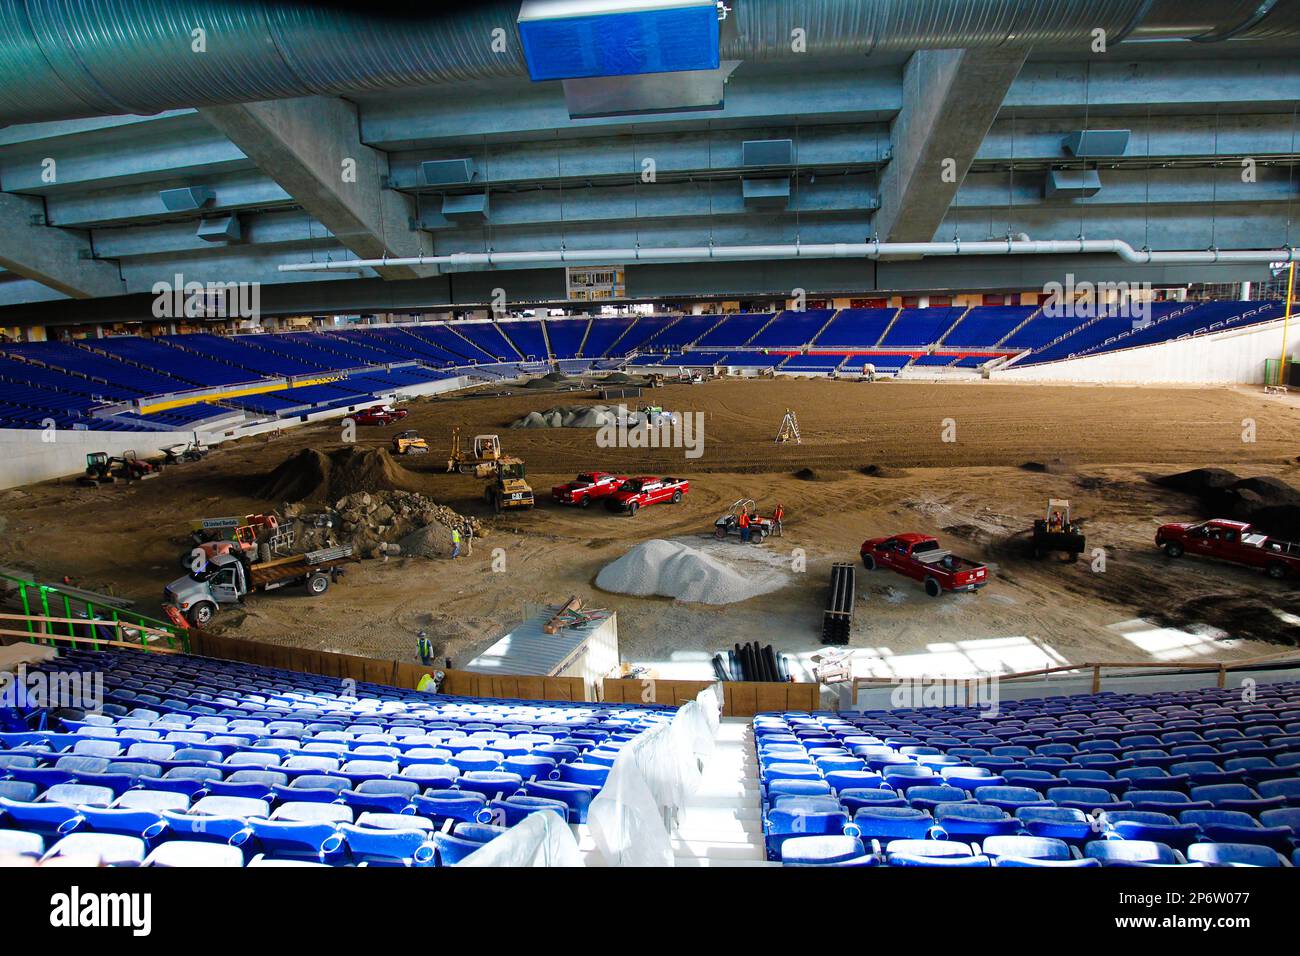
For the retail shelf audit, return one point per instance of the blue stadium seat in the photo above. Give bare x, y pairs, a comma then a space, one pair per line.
1132, 853
1152, 826
1233, 854
827, 850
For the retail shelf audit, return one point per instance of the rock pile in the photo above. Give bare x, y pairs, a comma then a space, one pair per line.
386, 523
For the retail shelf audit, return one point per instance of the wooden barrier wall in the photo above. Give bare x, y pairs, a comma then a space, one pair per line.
747, 698
740, 698
637, 691
376, 671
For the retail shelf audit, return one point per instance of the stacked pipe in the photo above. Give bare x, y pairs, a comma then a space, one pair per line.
750, 662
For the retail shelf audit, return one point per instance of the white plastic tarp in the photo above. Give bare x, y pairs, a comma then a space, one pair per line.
653, 778
540, 839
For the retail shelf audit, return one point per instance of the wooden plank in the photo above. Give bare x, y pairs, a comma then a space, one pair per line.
744, 699
771, 696
532, 688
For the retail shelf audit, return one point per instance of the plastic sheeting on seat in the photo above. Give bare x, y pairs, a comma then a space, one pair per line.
540, 839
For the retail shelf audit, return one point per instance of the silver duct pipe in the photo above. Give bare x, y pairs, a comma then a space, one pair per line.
837, 250
67, 58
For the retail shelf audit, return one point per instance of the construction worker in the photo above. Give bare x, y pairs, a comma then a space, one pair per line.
469, 538
426, 648
455, 543
1056, 522
743, 522
777, 515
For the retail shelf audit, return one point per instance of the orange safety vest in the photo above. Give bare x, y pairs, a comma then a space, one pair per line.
744, 519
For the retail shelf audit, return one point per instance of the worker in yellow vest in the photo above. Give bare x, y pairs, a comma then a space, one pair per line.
455, 543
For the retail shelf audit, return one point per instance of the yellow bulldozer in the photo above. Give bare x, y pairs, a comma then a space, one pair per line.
482, 463
507, 489
409, 442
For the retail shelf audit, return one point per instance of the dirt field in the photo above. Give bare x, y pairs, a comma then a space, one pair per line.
874, 460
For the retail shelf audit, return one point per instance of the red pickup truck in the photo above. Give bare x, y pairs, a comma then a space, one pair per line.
379, 415
587, 487
636, 493
1233, 541
919, 556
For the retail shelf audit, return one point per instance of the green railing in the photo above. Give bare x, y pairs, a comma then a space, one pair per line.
80, 612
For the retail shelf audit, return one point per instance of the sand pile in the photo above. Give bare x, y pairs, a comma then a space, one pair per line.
311, 475
1269, 503
667, 569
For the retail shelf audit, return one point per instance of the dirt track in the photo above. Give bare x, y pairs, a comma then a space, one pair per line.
1094, 446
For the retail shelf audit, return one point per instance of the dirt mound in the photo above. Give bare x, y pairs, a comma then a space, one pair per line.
882, 471
431, 541
300, 477
549, 380
311, 475
617, 378
1269, 503
1198, 481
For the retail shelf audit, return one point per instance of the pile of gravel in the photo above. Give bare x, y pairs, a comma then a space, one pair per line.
668, 569
581, 416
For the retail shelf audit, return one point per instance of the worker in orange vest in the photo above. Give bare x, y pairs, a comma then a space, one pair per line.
743, 522
777, 515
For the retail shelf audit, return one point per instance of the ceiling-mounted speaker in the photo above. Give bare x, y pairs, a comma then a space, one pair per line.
186, 198
1096, 142
767, 152
468, 208
220, 229
1071, 183
765, 193
448, 172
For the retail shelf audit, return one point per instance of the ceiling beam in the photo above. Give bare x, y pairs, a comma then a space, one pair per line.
312, 147
53, 257
950, 99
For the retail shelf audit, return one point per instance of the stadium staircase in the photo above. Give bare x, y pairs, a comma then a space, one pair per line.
885, 333
721, 825
775, 315
586, 333
626, 332
938, 343
1029, 318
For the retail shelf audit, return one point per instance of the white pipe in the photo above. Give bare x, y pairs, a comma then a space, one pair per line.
837, 250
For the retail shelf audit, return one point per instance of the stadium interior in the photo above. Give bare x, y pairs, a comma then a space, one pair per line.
310, 314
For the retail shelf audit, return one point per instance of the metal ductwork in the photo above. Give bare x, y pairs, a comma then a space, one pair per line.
830, 250
61, 59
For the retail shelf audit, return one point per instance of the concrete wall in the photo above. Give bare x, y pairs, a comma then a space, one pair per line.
1235, 356
31, 455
